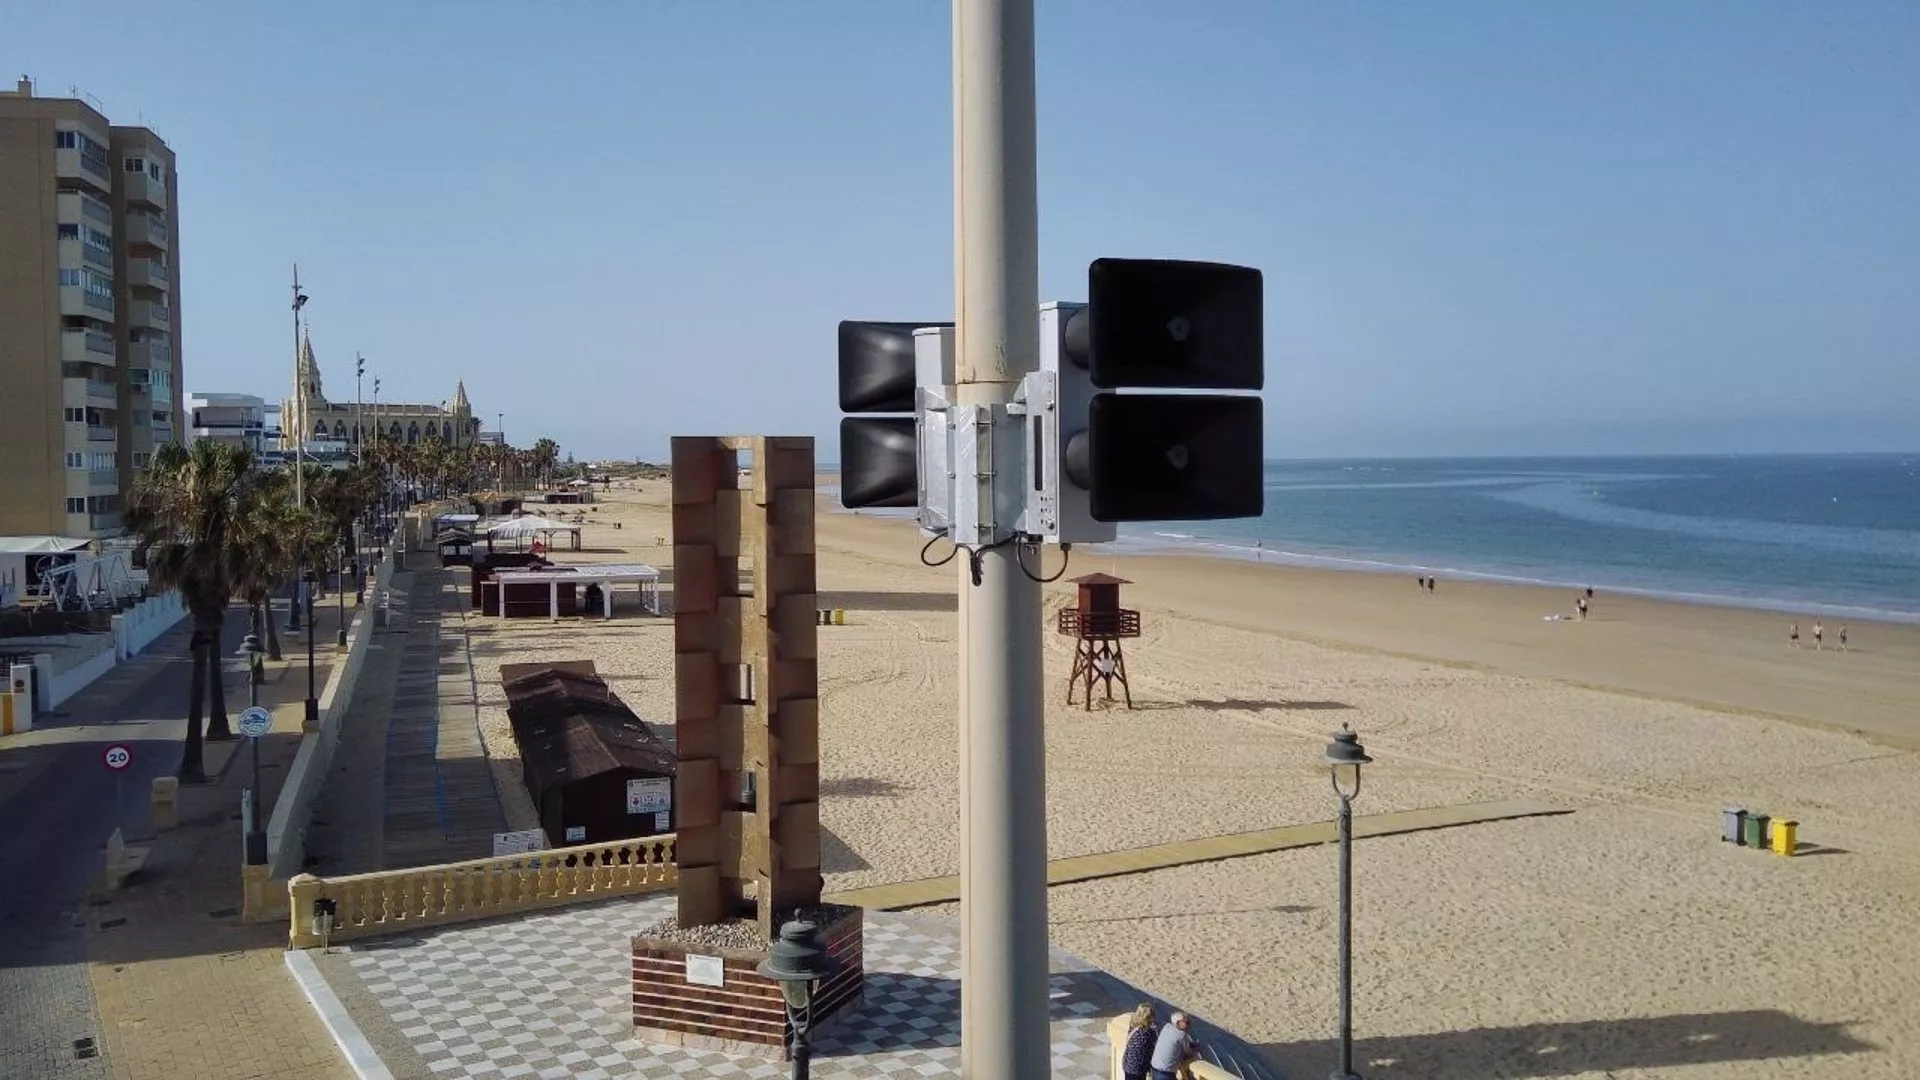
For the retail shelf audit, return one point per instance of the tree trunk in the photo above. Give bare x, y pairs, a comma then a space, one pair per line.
218, 729
192, 760
273, 632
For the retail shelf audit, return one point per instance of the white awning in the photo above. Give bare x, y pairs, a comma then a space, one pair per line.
35, 545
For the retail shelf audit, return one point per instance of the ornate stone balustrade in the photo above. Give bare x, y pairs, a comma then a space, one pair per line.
394, 901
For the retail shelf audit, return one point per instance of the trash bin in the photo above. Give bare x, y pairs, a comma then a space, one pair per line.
1756, 831
1786, 836
1733, 821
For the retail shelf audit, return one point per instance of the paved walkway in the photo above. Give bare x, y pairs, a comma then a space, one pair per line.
940, 890
157, 979
549, 995
441, 805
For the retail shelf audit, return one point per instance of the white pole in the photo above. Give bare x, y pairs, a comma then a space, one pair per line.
1005, 1033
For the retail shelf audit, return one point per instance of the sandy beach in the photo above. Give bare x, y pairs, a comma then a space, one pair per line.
1621, 940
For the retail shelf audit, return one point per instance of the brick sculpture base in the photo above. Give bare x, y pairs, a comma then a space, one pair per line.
746, 1015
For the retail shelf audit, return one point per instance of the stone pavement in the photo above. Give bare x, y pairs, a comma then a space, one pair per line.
547, 996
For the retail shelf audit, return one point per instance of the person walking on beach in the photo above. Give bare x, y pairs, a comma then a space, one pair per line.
1580, 605
1173, 1050
1137, 1058
1843, 637
1429, 585
1793, 634
1818, 633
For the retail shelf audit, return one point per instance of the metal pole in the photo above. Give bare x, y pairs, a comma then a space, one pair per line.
1345, 1071
359, 428
340, 633
313, 702
299, 441
1005, 1033
257, 836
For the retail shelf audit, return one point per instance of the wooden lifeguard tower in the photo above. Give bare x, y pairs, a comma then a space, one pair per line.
1098, 624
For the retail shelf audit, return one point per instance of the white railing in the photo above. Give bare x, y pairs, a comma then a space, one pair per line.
393, 901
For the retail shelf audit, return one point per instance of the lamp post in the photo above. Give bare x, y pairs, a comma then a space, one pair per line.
257, 832
798, 963
340, 633
1344, 756
313, 702
299, 437
359, 428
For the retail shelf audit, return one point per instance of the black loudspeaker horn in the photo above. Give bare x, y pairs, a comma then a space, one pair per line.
1171, 323
877, 462
1170, 457
876, 366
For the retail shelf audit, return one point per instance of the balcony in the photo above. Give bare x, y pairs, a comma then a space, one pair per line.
74, 253
150, 313
95, 392
76, 208
102, 433
103, 481
86, 347
148, 229
147, 274
150, 354
108, 522
141, 188
77, 301
87, 166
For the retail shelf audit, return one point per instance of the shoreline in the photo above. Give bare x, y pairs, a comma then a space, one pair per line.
1202, 547
1723, 657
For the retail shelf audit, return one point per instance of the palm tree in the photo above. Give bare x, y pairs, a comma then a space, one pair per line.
260, 539
546, 453
183, 510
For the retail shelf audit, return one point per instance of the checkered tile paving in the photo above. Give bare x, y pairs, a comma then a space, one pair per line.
546, 996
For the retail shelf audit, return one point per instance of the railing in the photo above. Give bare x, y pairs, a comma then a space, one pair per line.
97, 477
1120, 623
98, 388
100, 343
95, 209
102, 303
100, 522
101, 433
392, 901
101, 256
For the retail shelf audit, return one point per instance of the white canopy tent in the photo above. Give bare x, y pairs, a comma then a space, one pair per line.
605, 575
532, 525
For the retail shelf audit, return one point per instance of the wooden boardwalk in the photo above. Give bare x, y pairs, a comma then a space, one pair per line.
441, 805
940, 890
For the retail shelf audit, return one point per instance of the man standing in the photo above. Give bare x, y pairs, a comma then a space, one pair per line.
1173, 1050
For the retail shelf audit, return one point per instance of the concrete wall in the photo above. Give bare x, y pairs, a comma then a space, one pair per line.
133, 630
293, 809
141, 625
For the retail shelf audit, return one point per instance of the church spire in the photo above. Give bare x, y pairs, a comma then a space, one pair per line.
460, 406
309, 374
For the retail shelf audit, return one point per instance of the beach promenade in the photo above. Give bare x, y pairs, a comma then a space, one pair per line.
1623, 939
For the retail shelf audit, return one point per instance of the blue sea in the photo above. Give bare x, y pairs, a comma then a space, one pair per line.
1837, 534
1834, 534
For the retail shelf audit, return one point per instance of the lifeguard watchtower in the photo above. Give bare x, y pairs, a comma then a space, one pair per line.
1098, 624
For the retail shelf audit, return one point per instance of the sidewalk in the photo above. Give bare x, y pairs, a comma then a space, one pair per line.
184, 989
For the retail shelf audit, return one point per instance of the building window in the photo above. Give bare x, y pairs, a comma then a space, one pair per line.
68, 232
137, 165
76, 416
76, 460
66, 140
76, 506
98, 238
141, 458
155, 172
69, 276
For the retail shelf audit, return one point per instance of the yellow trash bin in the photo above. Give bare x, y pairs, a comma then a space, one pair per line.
1785, 836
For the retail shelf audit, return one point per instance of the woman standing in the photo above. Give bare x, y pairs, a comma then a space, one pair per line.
1139, 1050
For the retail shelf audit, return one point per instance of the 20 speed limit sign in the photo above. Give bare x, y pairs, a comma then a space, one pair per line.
117, 757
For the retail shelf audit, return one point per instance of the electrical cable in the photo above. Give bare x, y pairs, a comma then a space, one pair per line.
1066, 557
929, 547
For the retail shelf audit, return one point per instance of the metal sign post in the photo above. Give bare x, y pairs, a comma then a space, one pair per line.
255, 721
117, 757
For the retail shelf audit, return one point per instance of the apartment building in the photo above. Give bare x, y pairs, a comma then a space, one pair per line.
89, 313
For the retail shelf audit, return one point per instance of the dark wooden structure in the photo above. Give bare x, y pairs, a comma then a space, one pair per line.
483, 565
1098, 624
456, 547
580, 745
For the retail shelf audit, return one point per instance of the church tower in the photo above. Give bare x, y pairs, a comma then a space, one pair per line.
306, 397
462, 415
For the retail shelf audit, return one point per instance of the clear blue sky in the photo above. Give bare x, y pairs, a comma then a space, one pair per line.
1485, 227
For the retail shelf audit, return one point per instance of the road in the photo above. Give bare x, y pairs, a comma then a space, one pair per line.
58, 804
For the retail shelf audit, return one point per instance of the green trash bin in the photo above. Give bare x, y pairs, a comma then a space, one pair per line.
1757, 830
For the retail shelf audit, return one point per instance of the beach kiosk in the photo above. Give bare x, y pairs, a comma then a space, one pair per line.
1098, 624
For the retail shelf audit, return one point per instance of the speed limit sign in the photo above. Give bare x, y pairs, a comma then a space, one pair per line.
117, 757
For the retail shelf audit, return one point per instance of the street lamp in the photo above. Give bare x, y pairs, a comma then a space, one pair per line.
313, 702
798, 963
257, 832
1344, 756
299, 436
340, 634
